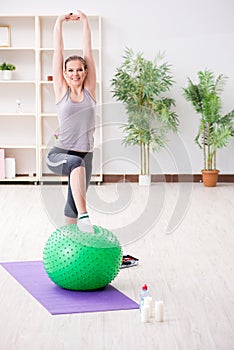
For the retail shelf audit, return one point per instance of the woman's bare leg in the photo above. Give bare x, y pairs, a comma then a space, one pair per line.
70, 221
78, 188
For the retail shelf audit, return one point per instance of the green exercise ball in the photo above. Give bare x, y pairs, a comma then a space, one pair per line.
82, 261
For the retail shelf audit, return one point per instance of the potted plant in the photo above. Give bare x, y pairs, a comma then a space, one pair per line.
141, 85
7, 69
215, 129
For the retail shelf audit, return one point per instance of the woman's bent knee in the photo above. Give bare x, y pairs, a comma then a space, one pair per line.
74, 162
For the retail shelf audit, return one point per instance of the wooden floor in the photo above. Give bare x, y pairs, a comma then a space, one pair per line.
188, 264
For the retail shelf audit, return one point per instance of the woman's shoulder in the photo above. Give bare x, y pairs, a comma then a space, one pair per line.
88, 93
64, 97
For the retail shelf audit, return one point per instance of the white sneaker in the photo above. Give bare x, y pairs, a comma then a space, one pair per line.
85, 225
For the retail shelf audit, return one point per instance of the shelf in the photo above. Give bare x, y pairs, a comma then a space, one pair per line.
16, 15
22, 30
29, 135
17, 82
18, 146
11, 48
48, 114
22, 114
49, 82
44, 148
53, 178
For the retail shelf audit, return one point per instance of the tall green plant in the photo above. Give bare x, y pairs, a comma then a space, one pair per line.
215, 129
142, 86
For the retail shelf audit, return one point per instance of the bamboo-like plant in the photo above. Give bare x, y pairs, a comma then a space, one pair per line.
215, 129
141, 85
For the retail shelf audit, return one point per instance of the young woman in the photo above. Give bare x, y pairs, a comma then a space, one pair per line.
75, 97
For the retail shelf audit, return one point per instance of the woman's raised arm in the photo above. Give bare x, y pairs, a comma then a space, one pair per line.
60, 84
90, 82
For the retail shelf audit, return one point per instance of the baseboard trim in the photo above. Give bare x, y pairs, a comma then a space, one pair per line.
110, 178
114, 178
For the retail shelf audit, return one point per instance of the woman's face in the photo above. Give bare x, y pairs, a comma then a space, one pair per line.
75, 73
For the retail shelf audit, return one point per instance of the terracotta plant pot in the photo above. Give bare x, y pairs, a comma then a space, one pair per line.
210, 177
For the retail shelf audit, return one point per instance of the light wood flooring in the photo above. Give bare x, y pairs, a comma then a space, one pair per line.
188, 264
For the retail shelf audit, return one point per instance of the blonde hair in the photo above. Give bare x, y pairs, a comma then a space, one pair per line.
75, 58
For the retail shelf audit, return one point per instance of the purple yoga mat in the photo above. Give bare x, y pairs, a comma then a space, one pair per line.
32, 276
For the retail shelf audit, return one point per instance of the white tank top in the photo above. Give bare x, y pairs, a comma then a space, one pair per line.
76, 123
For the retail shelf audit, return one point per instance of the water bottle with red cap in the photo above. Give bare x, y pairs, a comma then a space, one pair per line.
143, 293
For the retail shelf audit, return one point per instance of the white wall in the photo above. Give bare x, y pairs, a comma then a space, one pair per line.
194, 35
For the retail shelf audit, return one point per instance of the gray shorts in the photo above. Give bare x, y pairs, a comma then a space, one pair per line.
62, 162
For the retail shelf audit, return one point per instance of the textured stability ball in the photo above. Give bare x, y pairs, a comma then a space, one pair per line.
82, 261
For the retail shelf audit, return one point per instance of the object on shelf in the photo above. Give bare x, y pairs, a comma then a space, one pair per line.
2, 164
9, 168
129, 261
7, 69
5, 36
18, 106
26, 127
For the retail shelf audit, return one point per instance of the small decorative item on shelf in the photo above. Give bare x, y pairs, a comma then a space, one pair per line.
18, 106
49, 78
2, 164
10, 168
7, 69
5, 36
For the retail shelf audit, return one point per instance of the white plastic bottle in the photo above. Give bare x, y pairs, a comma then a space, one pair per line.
145, 313
143, 294
159, 310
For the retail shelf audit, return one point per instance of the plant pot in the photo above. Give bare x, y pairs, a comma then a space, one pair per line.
210, 177
144, 180
7, 74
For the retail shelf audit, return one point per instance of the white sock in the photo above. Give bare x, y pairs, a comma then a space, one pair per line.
84, 223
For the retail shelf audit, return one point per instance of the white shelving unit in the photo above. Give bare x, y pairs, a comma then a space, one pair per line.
29, 135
